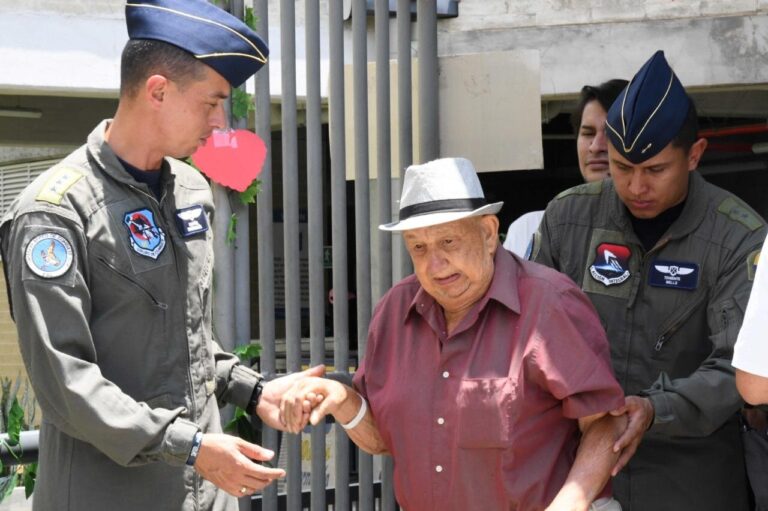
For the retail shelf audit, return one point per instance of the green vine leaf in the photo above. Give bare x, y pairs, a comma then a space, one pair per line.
15, 421
247, 352
232, 229
250, 19
248, 196
30, 476
242, 104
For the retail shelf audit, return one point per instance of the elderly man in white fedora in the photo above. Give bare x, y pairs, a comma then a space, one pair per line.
486, 377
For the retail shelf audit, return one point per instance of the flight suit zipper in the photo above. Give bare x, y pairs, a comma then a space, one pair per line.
679, 321
137, 285
192, 396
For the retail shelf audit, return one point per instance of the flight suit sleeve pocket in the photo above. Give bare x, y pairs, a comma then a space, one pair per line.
485, 412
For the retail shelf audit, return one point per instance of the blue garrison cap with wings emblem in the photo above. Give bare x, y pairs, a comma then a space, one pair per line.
209, 33
650, 111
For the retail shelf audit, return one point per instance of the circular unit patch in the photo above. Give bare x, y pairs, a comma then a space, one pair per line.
49, 255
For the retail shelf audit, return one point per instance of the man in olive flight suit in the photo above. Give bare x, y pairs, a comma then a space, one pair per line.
668, 261
108, 259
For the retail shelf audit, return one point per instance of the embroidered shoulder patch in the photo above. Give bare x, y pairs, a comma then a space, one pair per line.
593, 188
49, 255
57, 185
740, 212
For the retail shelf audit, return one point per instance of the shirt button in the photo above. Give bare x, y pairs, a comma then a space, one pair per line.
440, 421
446, 374
439, 468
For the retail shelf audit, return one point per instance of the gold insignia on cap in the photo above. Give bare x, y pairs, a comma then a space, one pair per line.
647, 121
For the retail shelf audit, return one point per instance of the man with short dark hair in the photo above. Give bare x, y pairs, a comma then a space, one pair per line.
667, 259
108, 259
588, 120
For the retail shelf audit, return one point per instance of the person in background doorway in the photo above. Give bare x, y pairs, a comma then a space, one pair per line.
588, 122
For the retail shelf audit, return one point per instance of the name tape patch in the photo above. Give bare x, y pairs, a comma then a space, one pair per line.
191, 220
674, 274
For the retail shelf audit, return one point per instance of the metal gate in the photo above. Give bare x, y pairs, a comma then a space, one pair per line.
233, 293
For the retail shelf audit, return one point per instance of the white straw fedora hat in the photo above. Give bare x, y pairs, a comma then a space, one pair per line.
438, 192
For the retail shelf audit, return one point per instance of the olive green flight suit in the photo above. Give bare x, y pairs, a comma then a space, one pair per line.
672, 315
113, 310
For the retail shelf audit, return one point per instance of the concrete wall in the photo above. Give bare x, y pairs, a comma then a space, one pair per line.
709, 43
493, 14
44, 44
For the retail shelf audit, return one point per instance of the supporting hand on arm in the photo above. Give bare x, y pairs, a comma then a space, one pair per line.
594, 460
640, 415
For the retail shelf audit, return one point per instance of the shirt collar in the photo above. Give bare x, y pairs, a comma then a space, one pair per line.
106, 158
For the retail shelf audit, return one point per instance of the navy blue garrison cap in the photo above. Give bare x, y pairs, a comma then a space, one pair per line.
209, 33
650, 111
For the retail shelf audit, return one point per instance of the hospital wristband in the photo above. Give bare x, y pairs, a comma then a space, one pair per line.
360, 414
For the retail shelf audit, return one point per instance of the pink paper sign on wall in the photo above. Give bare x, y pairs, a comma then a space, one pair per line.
232, 158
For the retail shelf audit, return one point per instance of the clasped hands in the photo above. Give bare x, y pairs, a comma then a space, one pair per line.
310, 399
231, 463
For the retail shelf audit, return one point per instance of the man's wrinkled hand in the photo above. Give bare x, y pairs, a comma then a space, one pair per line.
272, 395
228, 462
640, 413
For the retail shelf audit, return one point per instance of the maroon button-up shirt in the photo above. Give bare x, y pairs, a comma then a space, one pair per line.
486, 418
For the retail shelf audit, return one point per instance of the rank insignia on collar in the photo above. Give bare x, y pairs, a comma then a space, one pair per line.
611, 264
674, 274
191, 220
752, 259
146, 237
49, 255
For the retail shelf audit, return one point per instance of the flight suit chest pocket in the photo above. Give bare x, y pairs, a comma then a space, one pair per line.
486, 408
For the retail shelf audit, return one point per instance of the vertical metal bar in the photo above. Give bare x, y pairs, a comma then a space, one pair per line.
339, 234
426, 22
291, 230
242, 255
242, 274
315, 227
383, 144
405, 118
384, 183
362, 215
265, 247
224, 264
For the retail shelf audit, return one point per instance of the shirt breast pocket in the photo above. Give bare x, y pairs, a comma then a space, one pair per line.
486, 412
